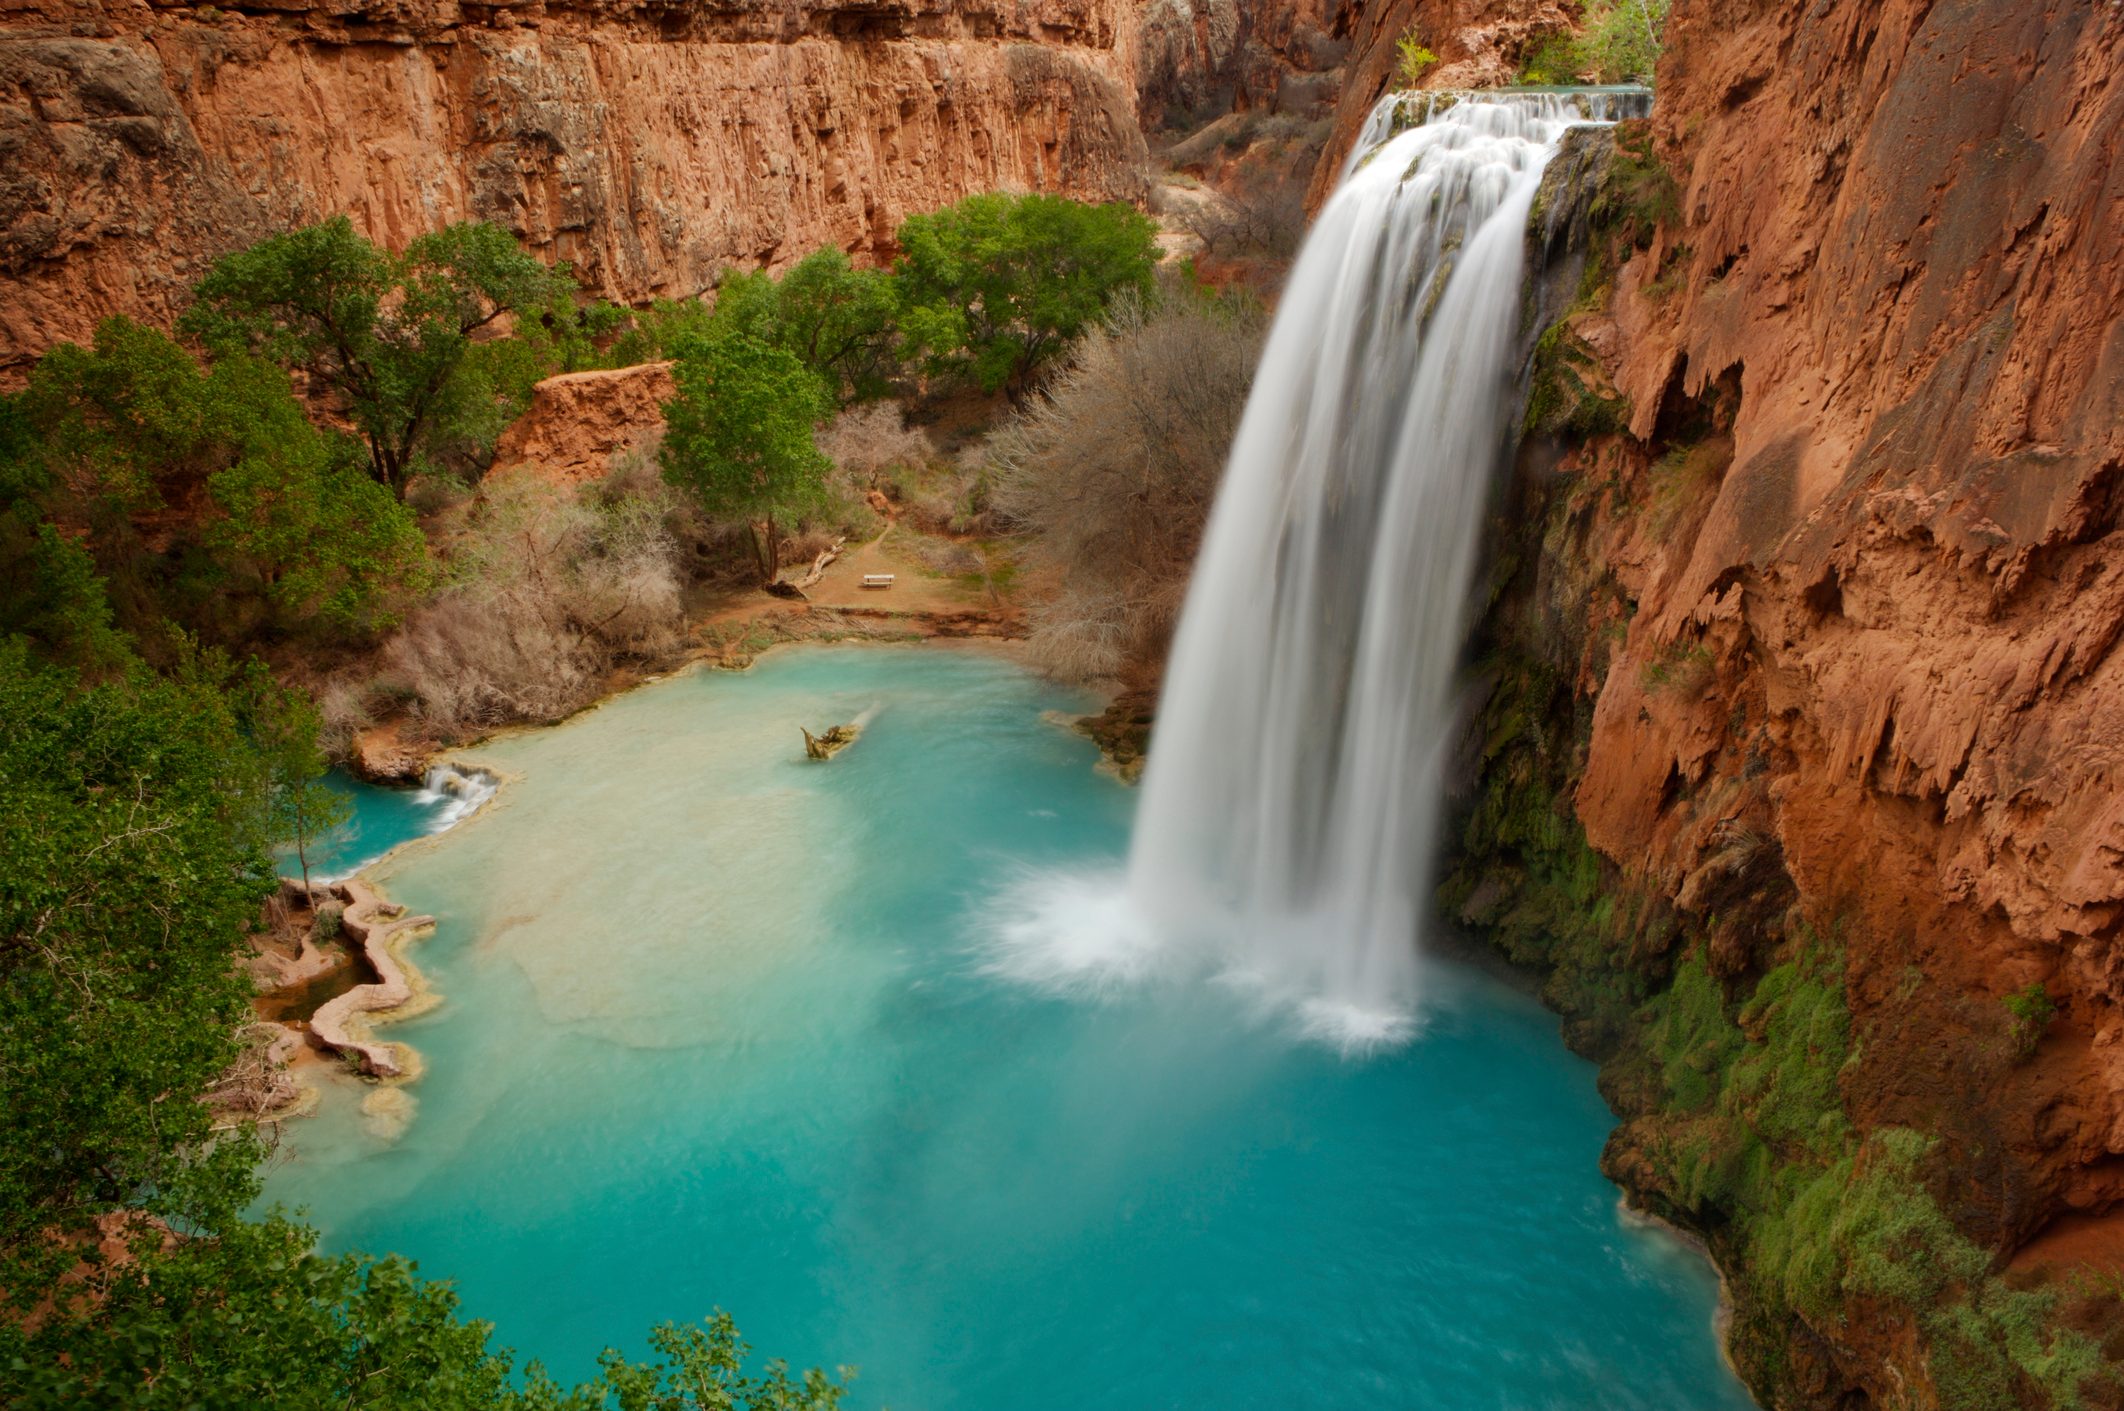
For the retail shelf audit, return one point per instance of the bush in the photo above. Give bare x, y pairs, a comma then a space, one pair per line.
868, 442
1268, 220
549, 596
296, 532
2031, 1010
1620, 43
1112, 471
1413, 60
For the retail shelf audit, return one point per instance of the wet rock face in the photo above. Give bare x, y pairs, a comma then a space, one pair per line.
1874, 368
648, 143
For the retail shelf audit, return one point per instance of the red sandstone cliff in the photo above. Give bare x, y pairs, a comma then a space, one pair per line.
650, 143
1902, 249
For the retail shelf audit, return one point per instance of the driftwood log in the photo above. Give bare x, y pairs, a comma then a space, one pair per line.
826, 746
818, 565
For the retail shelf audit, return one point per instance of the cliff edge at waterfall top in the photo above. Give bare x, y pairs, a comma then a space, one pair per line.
1480, 644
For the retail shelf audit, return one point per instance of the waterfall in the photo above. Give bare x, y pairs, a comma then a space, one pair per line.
1293, 793
455, 793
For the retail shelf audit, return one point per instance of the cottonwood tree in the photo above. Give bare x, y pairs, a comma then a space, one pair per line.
392, 334
993, 287
839, 321
738, 436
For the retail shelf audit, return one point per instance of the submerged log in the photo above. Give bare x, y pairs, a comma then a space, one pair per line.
826, 746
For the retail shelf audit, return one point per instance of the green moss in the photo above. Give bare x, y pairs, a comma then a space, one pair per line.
1561, 395
1638, 194
1692, 1039
2032, 1010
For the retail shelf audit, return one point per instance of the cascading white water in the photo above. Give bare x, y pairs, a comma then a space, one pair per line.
459, 791
1293, 792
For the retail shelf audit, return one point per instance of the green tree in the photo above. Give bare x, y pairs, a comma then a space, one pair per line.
283, 730
738, 436
323, 541
115, 431
993, 287
391, 334
101, 428
132, 859
839, 321
1620, 43
55, 604
1415, 59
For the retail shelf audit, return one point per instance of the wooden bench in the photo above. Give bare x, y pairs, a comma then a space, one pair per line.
877, 580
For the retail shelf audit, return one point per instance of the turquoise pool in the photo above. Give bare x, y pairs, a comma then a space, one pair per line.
720, 1030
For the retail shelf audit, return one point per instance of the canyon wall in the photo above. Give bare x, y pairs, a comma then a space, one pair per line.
648, 142
1900, 249
1809, 615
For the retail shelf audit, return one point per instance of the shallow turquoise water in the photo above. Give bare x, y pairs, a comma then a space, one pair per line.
718, 1032
378, 820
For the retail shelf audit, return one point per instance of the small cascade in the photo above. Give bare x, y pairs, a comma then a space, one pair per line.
455, 793
1294, 788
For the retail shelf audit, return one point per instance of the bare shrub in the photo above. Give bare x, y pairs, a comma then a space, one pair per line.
1268, 220
342, 713
942, 556
867, 440
548, 596
1112, 472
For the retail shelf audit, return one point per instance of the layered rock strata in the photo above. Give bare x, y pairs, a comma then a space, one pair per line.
650, 144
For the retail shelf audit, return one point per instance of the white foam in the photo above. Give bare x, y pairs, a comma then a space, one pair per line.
1080, 935
456, 793
1075, 933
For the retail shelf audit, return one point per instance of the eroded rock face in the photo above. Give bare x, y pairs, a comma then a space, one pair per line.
1901, 255
649, 143
582, 424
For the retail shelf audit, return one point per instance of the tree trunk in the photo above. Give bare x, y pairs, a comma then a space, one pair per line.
770, 553
302, 845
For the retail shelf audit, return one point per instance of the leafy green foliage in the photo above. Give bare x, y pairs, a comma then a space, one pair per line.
56, 604
123, 428
133, 818
1554, 61
1413, 59
391, 334
299, 519
249, 1316
839, 321
1620, 43
132, 856
991, 288
283, 730
1622, 39
2031, 1010
738, 436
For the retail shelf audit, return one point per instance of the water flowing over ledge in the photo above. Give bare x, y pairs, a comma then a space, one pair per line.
1292, 799
385, 819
